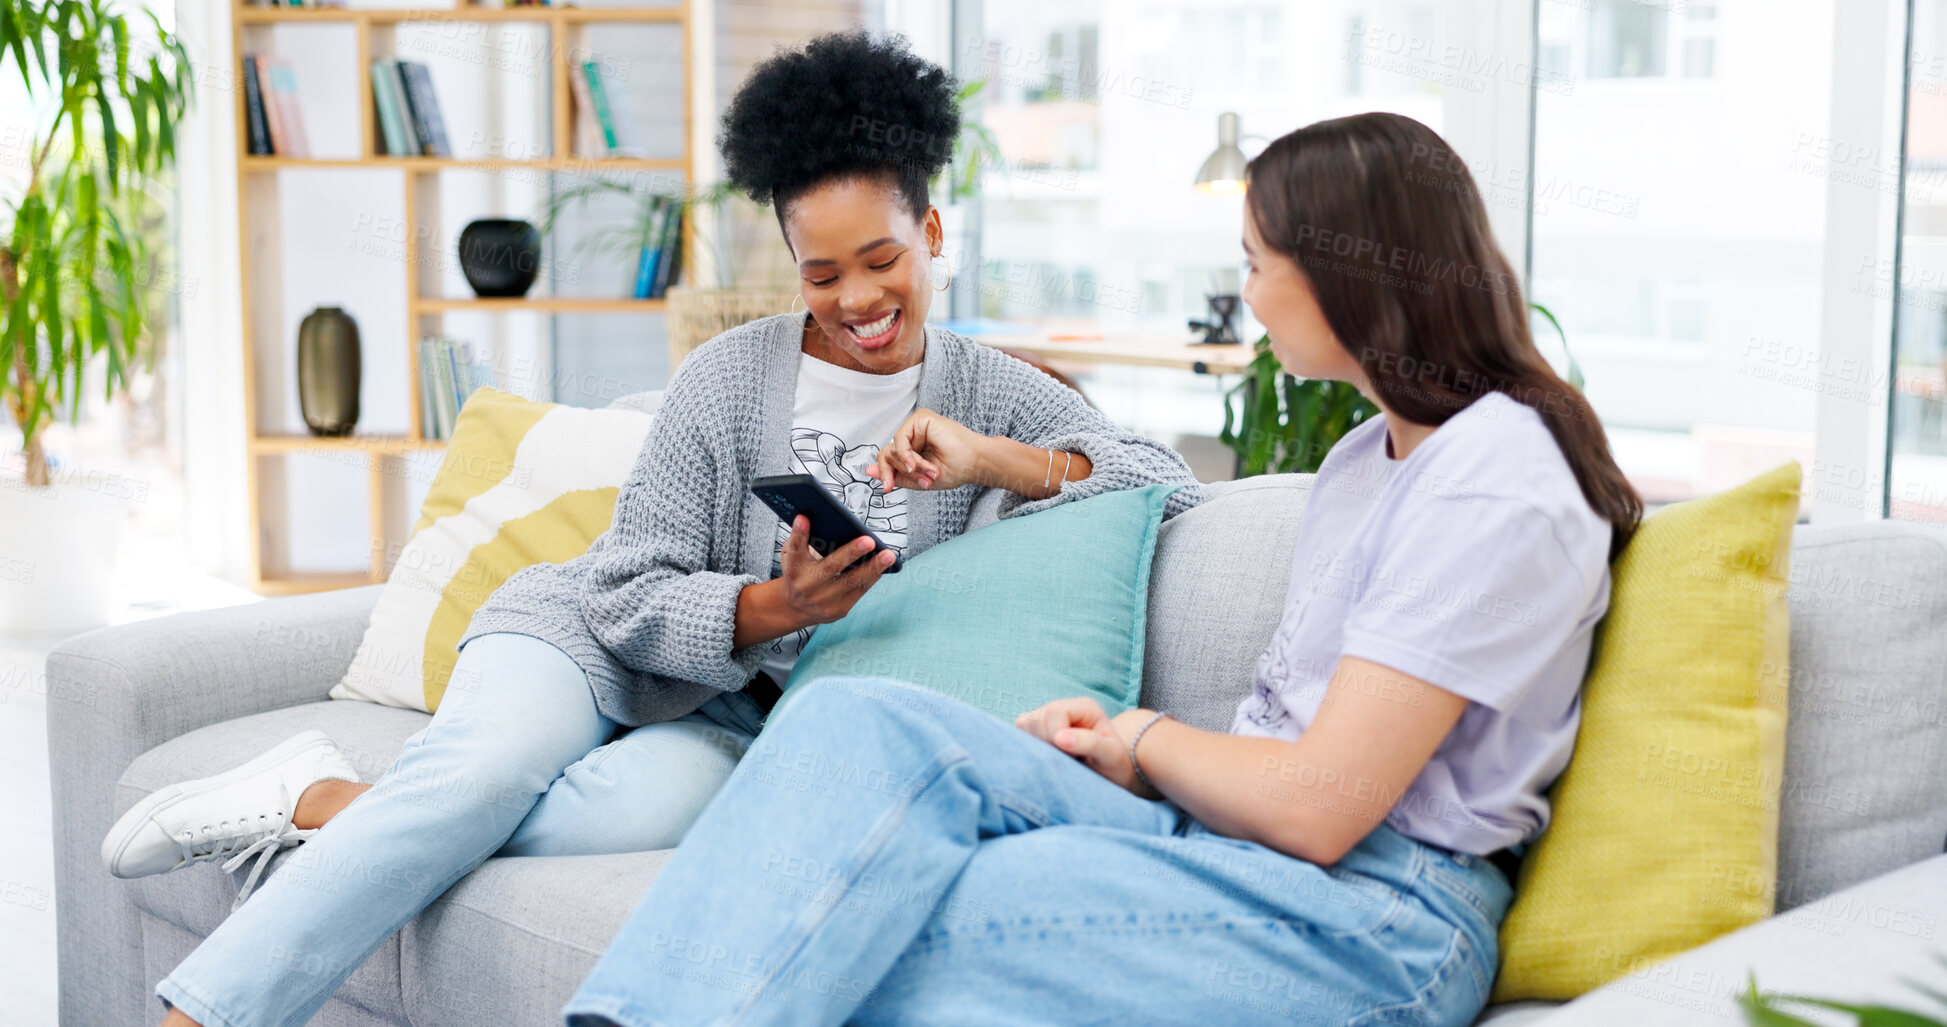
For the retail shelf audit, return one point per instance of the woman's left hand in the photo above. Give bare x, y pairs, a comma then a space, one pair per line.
929, 451
1080, 728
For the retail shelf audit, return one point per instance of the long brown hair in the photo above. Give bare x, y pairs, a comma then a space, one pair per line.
1386, 223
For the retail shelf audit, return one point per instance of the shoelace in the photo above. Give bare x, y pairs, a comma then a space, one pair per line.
264, 847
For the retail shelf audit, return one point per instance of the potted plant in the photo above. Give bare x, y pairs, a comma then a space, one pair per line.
1285, 425
1276, 423
75, 275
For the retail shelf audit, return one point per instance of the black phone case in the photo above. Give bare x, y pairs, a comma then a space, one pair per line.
832, 525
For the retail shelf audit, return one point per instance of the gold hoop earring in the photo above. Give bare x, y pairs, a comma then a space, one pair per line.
795, 300
949, 276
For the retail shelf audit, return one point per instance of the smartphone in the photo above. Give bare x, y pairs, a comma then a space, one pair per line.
832, 525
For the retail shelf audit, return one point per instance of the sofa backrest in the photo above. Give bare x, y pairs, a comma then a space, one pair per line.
1865, 788
1865, 785
1216, 589
641, 402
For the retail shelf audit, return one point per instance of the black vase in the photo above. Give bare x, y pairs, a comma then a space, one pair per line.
500, 257
328, 371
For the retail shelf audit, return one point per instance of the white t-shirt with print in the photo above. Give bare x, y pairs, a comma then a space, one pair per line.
839, 420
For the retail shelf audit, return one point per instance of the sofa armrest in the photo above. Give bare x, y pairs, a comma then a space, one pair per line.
116, 692
1863, 944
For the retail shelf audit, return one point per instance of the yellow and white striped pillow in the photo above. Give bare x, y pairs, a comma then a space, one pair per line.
522, 483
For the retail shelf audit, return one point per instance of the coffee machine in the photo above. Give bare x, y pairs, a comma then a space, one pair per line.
1219, 327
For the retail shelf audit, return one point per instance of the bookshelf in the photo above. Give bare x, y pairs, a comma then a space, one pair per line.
416, 183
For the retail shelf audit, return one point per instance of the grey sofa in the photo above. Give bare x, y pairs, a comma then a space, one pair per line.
132, 708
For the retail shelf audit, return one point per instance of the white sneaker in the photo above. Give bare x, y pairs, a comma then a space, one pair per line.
239, 813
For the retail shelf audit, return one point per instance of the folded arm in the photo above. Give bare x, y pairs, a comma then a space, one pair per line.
1314, 798
1045, 414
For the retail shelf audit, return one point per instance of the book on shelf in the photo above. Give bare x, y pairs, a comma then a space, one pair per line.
273, 121
448, 375
628, 142
671, 263
587, 130
423, 104
612, 113
428, 425
392, 126
280, 104
429, 384
256, 127
651, 254
598, 102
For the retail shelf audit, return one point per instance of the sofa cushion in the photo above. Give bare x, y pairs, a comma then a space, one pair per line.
512, 941
1516, 1014
1866, 749
1869, 942
521, 483
1216, 592
1015, 615
1665, 828
196, 899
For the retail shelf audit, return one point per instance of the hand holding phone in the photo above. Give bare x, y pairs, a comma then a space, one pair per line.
820, 584
832, 526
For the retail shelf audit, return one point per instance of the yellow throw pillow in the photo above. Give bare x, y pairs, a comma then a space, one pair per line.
1665, 827
522, 483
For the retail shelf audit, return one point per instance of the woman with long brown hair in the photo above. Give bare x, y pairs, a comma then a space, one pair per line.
1337, 854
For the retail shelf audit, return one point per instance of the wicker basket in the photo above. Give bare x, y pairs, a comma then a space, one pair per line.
697, 316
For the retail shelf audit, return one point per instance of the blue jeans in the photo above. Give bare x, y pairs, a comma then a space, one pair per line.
519, 765
886, 855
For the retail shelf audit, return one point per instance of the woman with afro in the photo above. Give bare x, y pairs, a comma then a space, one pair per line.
607, 698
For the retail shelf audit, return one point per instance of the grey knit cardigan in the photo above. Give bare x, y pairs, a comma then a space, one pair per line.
649, 610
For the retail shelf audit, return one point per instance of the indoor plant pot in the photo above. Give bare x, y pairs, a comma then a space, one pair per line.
55, 581
500, 256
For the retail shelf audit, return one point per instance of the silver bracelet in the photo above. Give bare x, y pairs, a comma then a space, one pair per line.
1133, 742
1049, 474
1067, 462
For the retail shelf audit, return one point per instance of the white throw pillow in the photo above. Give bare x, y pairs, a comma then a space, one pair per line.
522, 483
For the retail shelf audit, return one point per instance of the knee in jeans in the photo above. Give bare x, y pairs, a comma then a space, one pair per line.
461, 787
860, 697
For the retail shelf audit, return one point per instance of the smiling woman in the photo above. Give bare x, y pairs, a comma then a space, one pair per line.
615, 692
848, 183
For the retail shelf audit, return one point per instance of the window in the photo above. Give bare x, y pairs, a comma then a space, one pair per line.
1678, 233
1104, 110
1629, 39
1917, 486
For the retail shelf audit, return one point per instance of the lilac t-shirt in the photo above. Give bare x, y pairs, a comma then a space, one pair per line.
1476, 565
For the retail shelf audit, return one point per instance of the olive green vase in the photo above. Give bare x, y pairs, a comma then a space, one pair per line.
327, 371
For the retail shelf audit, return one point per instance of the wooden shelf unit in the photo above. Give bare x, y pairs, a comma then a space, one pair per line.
376, 449
257, 15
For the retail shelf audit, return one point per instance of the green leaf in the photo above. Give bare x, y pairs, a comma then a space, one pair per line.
138, 109
50, 302
34, 25
119, 28
1759, 1011
13, 29
1574, 369
165, 137
98, 328
111, 141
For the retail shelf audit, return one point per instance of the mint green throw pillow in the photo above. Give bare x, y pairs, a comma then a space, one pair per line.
1044, 606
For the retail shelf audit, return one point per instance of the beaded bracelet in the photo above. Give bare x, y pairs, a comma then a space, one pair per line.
1133, 742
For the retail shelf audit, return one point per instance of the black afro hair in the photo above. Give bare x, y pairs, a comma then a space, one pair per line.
846, 104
